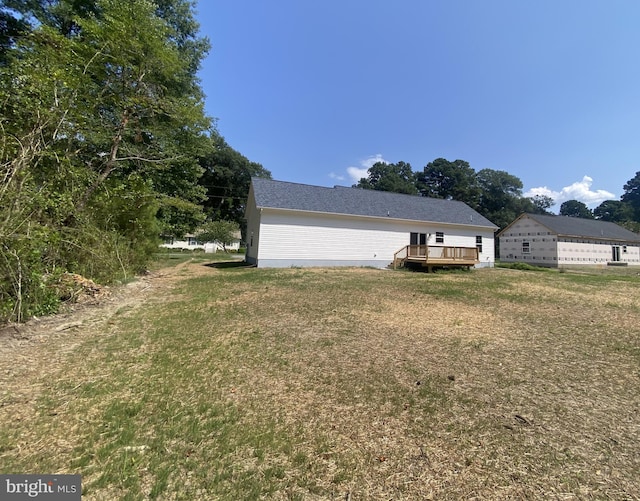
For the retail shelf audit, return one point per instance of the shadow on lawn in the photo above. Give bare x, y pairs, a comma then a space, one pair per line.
229, 264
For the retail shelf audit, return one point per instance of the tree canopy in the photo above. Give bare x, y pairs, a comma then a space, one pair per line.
219, 231
615, 211
575, 208
631, 195
541, 204
398, 178
451, 180
496, 194
626, 211
226, 179
103, 140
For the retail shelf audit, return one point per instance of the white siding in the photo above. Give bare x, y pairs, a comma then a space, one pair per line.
289, 238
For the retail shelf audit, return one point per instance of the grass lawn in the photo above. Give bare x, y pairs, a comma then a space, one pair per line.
225, 382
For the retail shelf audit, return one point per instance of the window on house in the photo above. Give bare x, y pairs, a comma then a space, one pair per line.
439, 237
192, 241
479, 243
526, 248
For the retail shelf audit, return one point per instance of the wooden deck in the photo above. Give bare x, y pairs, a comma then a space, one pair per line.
431, 255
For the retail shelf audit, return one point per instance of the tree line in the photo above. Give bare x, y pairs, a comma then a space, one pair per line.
495, 194
104, 143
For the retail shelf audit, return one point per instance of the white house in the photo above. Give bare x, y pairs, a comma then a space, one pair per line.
191, 242
290, 224
557, 241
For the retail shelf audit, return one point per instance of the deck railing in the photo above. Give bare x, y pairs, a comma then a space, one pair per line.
434, 255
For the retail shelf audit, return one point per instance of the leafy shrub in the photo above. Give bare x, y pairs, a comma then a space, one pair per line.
521, 266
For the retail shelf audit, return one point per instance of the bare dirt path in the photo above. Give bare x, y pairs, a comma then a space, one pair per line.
30, 351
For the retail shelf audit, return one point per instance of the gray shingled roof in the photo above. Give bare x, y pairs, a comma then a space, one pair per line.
578, 227
358, 202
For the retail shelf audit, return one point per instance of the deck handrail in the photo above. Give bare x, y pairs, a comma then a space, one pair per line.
396, 255
436, 253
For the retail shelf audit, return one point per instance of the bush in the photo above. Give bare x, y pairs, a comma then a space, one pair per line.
521, 266
24, 290
103, 249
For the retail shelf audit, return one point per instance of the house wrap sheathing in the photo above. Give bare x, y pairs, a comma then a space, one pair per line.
557, 241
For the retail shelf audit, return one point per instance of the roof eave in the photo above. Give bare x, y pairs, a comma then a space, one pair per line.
383, 218
593, 237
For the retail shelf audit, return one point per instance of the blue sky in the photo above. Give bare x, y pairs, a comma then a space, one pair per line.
317, 91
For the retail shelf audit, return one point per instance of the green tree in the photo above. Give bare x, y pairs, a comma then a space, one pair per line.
226, 179
12, 28
615, 211
221, 231
455, 180
398, 178
575, 208
540, 204
102, 124
631, 195
501, 200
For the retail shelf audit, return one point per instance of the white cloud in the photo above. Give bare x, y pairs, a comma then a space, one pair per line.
368, 162
335, 176
580, 190
357, 173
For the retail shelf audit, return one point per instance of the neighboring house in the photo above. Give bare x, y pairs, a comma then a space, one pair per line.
291, 224
190, 242
557, 241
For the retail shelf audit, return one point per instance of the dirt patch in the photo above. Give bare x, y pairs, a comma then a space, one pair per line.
31, 350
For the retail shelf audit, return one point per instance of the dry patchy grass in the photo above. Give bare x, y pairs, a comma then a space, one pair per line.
231, 383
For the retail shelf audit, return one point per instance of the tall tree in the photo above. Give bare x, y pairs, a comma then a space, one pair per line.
575, 208
631, 195
615, 211
398, 178
452, 180
226, 179
541, 204
501, 200
102, 124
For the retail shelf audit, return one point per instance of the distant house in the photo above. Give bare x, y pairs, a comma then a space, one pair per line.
191, 242
557, 241
290, 224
